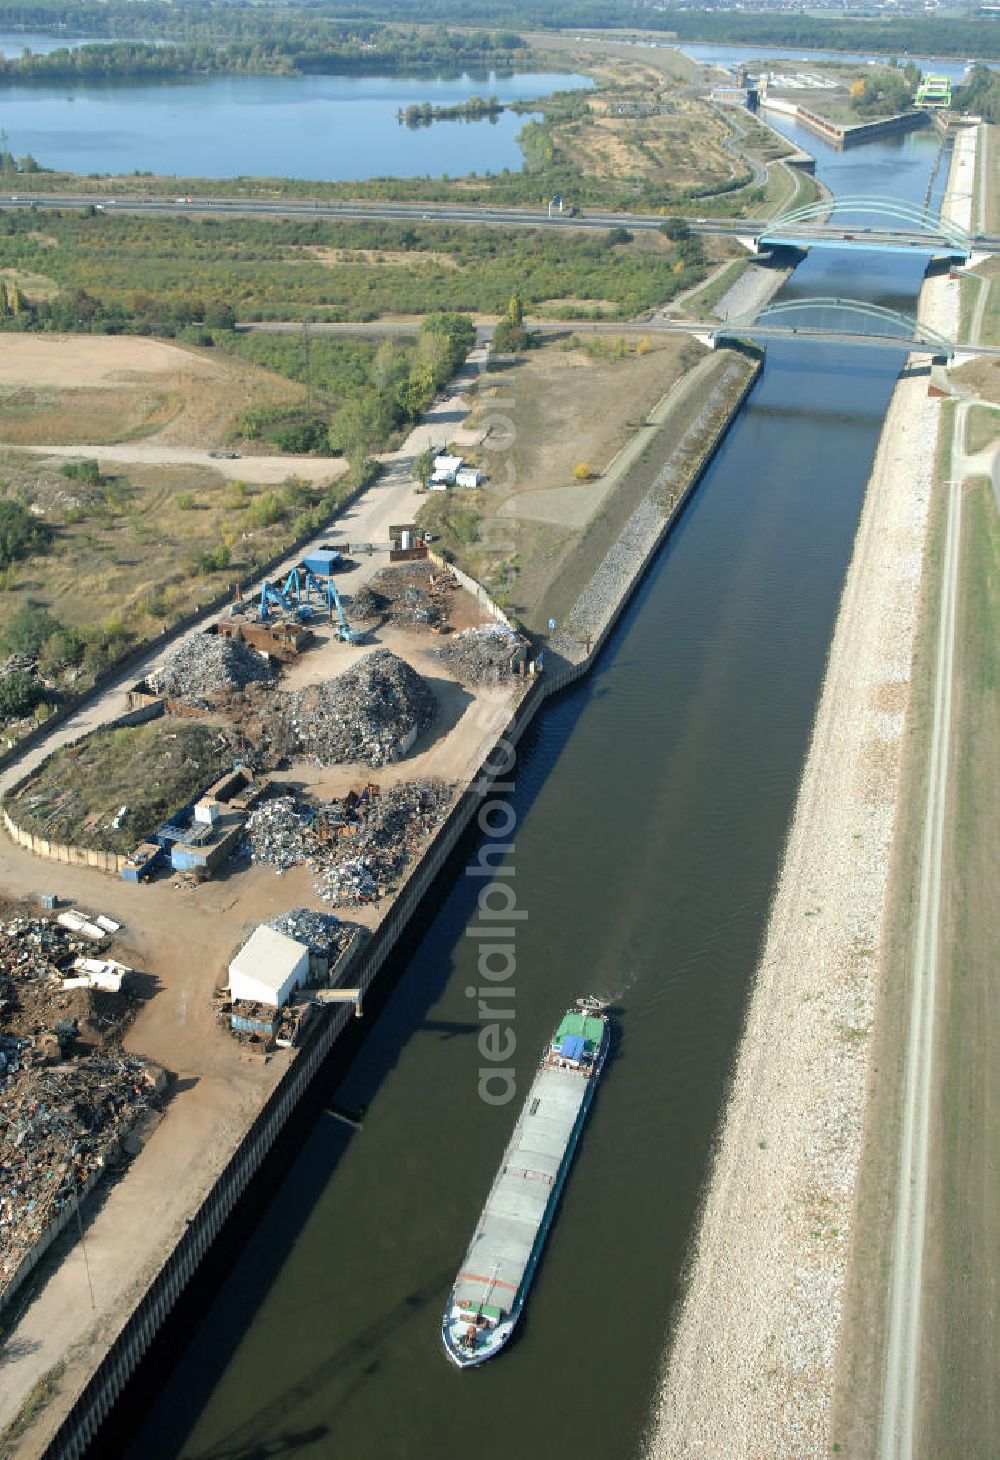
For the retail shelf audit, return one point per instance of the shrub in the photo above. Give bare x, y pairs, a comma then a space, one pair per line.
21, 534
87, 470
28, 631
214, 561
582, 472
265, 510
19, 693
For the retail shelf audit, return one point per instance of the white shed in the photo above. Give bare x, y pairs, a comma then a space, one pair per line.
445, 467
268, 968
468, 476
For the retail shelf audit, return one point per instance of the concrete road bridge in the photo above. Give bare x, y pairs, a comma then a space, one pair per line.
902, 227
846, 320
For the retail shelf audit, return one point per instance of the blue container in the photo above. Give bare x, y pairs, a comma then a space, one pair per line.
323, 561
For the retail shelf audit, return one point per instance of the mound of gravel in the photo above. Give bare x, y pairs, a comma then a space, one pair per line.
204, 667
362, 715
482, 655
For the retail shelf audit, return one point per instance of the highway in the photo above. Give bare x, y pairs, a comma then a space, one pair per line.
481, 216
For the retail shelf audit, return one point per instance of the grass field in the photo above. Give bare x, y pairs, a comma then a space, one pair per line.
141, 546
531, 532
135, 545
982, 428
135, 388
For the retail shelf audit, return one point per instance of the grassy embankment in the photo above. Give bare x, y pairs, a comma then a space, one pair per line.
564, 475
76, 795
960, 1410
862, 1339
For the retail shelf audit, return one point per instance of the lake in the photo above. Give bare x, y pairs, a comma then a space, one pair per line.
324, 127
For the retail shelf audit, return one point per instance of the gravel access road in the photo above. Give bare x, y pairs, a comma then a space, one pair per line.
899, 1395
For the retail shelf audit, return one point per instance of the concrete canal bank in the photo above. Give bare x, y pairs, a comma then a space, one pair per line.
752, 1359
86, 1393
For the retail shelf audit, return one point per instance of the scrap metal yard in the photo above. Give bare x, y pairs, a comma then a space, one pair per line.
243, 796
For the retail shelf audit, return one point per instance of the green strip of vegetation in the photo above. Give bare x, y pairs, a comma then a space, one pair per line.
45, 1390
982, 427
118, 273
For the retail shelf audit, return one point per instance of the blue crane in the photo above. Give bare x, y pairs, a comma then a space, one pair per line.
302, 580
272, 597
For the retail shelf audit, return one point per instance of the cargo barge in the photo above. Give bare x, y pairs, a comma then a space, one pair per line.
493, 1282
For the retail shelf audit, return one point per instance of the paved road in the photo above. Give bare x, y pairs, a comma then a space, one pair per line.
656, 325
458, 213
899, 1396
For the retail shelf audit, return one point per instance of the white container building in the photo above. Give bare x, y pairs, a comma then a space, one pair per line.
268, 968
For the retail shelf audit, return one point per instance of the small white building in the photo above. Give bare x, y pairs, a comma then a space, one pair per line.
446, 469
468, 476
268, 968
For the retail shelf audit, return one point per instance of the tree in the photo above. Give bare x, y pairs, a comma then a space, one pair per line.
515, 310
422, 466
27, 632
582, 472
676, 229
21, 534
220, 317
19, 693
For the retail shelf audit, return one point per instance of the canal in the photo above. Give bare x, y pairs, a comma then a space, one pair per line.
651, 807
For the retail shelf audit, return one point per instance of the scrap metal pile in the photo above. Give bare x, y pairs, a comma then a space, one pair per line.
204, 668
367, 604
67, 1110
362, 715
322, 933
414, 595
358, 847
482, 655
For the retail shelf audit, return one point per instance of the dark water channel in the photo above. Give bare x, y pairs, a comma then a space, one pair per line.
651, 803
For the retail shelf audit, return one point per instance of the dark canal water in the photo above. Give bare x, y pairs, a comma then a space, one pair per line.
652, 804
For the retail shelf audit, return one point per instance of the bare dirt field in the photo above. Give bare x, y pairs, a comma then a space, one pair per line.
69, 361
96, 389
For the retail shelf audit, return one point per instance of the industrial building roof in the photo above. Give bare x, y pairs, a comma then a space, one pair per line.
269, 957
